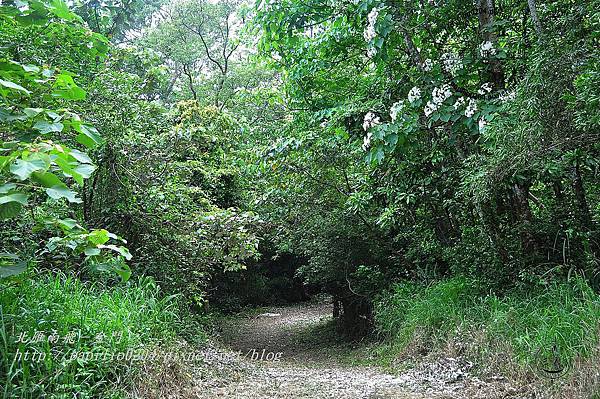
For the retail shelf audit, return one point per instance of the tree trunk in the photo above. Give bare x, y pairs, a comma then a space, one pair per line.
584, 215
534, 18
486, 10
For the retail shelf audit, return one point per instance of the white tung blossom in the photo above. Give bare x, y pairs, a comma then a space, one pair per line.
430, 108
485, 88
370, 120
482, 123
371, 52
367, 141
440, 94
428, 65
487, 49
396, 108
507, 96
459, 103
370, 33
452, 62
471, 108
414, 94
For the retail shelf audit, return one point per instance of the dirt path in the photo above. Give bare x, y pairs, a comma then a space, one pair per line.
287, 352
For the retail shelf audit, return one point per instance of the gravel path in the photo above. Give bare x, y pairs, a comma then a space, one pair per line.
281, 353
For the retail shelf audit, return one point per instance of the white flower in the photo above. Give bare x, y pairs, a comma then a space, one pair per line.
414, 94
440, 94
370, 120
428, 65
371, 52
452, 62
459, 103
370, 33
372, 17
471, 108
507, 96
485, 88
430, 108
487, 49
482, 123
396, 107
367, 141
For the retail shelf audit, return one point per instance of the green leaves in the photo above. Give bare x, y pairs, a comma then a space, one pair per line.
45, 127
14, 86
88, 136
59, 192
11, 265
23, 168
15, 197
9, 210
65, 88
61, 10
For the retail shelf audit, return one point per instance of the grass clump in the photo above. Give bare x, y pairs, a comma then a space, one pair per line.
556, 321
80, 338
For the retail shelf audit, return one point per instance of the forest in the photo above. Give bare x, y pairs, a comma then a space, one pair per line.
300, 199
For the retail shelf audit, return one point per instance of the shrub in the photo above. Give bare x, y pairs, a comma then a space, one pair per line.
105, 321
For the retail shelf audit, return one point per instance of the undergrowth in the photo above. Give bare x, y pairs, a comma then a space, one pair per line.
557, 322
79, 337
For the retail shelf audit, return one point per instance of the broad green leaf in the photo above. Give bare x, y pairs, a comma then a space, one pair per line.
47, 179
85, 170
8, 270
98, 237
121, 269
31, 68
80, 156
68, 169
7, 187
88, 136
61, 10
67, 224
15, 197
13, 86
45, 127
32, 112
9, 210
58, 192
4, 161
92, 251
23, 168
120, 250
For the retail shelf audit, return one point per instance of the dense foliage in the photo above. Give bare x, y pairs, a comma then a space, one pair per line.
401, 156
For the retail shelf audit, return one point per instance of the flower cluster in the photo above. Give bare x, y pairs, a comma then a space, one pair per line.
427, 65
396, 108
471, 108
482, 124
452, 62
414, 94
487, 49
370, 33
459, 103
367, 141
370, 121
439, 95
507, 96
485, 88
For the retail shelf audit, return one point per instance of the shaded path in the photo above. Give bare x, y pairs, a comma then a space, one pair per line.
311, 365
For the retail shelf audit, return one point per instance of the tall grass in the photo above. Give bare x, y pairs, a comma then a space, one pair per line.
560, 319
101, 321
